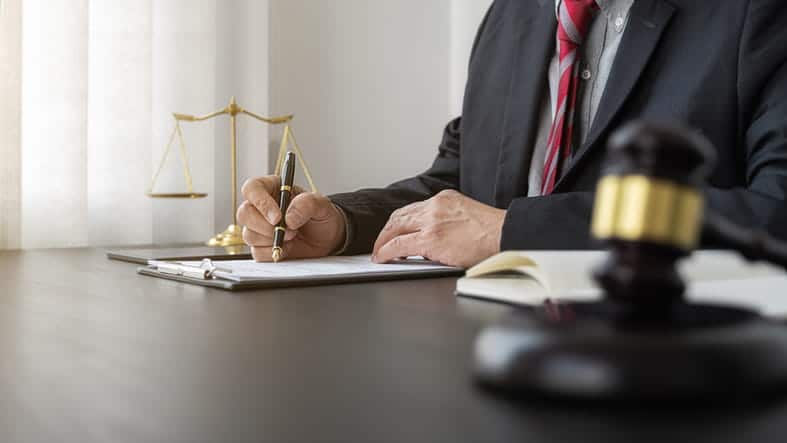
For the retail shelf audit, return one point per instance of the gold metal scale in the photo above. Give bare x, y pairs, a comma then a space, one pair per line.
232, 236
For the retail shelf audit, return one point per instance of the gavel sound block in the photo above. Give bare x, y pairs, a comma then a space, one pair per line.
644, 341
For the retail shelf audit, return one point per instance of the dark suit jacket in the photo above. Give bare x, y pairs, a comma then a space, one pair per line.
717, 65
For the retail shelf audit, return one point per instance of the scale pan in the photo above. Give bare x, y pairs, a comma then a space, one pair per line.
188, 195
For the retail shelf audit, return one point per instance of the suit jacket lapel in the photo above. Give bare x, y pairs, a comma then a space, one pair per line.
649, 20
534, 47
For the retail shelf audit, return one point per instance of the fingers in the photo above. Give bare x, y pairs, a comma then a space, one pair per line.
402, 246
260, 192
260, 212
403, 221
263, 239
249, 216
256, 230
306, 207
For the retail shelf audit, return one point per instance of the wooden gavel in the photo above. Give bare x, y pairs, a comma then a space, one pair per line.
644, 341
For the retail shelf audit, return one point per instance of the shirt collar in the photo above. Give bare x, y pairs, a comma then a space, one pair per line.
603, 4
606, 6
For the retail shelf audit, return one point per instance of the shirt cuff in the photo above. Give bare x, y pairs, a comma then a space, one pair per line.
348, 232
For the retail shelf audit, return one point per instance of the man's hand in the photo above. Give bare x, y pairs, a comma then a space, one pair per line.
449, 228
315, 227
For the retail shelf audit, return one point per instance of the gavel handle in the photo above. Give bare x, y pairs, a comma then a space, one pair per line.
755, 245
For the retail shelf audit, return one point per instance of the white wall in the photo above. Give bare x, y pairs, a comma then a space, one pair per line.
369, 82
372, 82
466, 16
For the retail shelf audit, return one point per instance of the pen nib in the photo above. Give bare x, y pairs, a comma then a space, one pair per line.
276, 255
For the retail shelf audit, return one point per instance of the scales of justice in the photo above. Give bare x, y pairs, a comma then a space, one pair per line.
232, 236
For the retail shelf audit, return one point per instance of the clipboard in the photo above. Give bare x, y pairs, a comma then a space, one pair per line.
205, 276
141, 256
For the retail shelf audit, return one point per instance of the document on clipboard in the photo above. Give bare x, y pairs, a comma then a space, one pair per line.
246, 274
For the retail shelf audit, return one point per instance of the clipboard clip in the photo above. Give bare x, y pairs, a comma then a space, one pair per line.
205, 271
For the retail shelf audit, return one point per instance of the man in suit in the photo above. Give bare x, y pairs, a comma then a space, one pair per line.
549, 81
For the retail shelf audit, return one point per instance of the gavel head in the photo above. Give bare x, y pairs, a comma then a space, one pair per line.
649, 210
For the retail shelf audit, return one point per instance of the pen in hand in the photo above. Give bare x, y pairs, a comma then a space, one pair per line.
285, 195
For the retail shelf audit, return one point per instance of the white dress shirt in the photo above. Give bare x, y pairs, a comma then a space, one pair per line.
595, 64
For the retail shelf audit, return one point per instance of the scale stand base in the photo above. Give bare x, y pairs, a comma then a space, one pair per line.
602, 352
232, 237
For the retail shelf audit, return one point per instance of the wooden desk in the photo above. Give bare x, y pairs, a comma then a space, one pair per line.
92, 352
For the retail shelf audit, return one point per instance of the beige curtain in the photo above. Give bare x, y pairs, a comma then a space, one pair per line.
10, 115
89, 87
99, 79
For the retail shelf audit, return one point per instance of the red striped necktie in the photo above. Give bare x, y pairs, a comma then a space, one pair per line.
574, 19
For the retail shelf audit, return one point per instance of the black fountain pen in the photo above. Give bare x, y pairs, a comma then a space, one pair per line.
285, 195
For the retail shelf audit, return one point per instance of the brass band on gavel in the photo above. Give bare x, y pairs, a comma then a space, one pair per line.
651, 192
640, 208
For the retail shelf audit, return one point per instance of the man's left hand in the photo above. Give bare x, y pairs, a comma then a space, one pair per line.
449, 228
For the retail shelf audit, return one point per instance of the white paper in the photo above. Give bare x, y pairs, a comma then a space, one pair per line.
572, 271
244, 270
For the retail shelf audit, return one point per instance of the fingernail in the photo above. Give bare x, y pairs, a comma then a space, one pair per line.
272, 216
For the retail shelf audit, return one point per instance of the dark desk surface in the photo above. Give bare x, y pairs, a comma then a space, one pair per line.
92, 352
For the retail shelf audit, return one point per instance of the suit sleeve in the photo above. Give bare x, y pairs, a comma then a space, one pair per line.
563, 221
762, 90
368, 210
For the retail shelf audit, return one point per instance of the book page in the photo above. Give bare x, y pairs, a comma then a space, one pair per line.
566, 271
244, 270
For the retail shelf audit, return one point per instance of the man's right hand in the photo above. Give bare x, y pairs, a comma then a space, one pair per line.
315, 227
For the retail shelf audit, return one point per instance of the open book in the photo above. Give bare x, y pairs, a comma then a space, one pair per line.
529, 278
